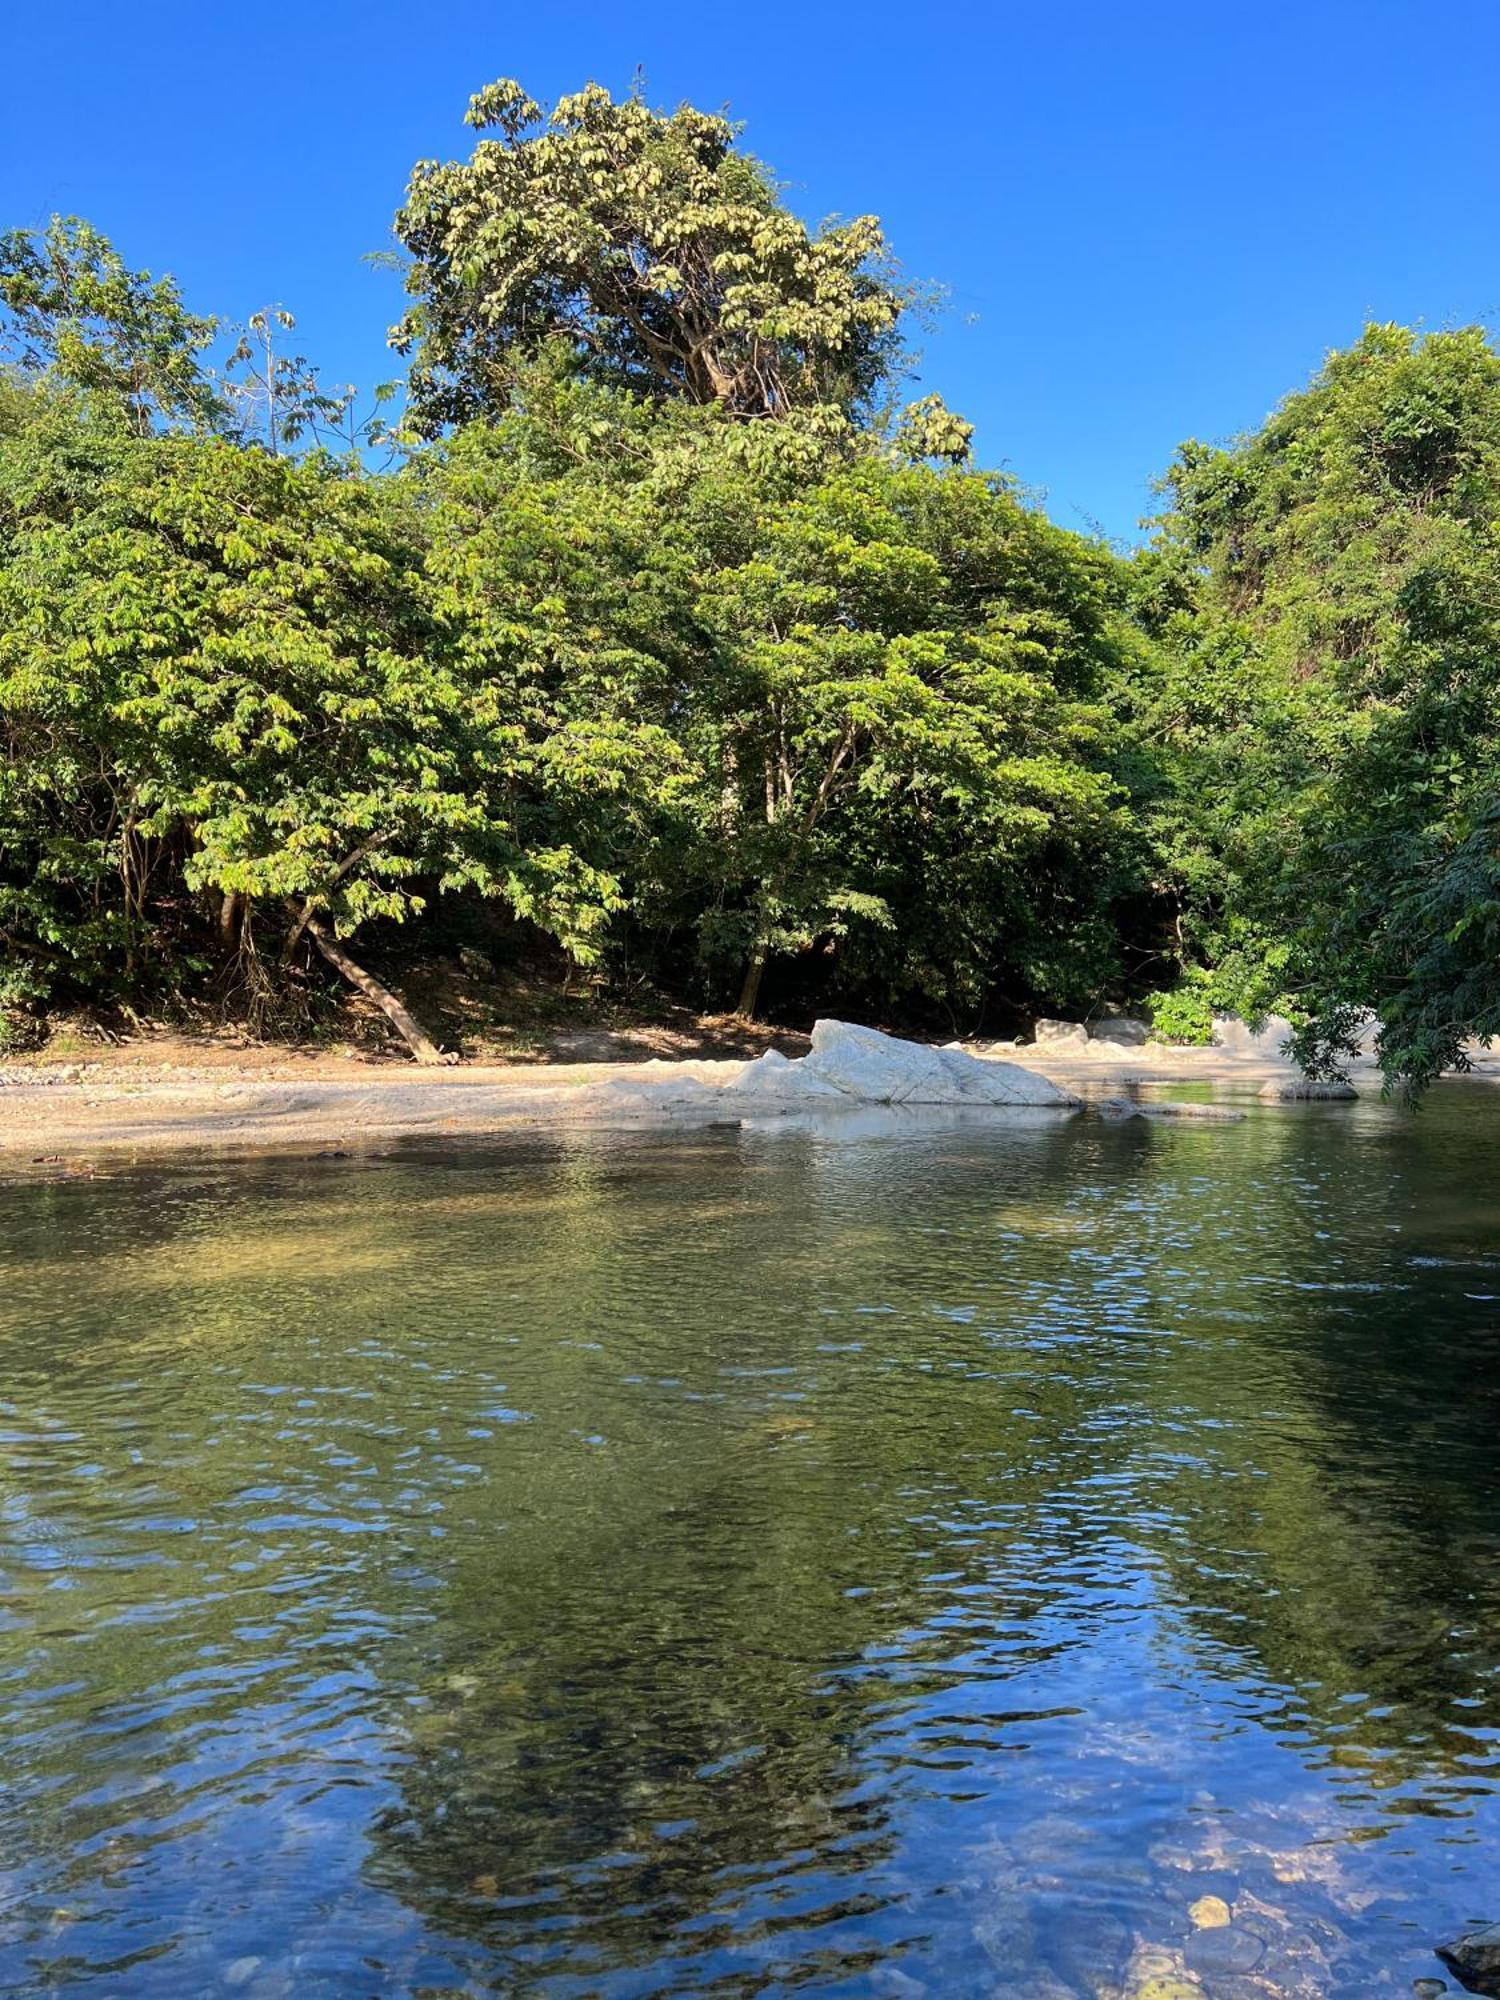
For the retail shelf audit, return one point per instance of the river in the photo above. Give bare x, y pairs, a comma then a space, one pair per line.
1044, 1561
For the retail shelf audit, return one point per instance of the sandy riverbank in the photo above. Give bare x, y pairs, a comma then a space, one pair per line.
267, 1099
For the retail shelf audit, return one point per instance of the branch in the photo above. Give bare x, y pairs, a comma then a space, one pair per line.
304, 921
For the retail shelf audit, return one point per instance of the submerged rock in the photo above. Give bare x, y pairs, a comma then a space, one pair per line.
1209, 1913
1154, 1974
1475, 1959
1170, 1111
1223, 1948
1205, 1114
1294, 1087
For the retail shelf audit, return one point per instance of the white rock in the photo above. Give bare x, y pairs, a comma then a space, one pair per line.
1120, 1029
988, 1081
1263, 1044
1063, 1033
878, 1069
774, 1075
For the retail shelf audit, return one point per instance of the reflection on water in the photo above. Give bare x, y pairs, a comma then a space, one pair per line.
978, 1561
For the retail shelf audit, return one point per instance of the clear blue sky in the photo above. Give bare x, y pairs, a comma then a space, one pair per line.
1151, 221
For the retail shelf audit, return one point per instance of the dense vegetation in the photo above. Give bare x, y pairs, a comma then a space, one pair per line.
656, 624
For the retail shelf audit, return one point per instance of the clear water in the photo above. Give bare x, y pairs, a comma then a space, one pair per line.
919, 1562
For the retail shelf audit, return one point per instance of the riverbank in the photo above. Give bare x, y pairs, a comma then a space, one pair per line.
141, 1098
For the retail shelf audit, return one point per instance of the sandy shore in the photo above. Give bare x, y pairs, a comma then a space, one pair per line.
51, 1110
323, 1109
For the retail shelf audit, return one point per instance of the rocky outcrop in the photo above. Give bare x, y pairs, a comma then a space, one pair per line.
867, 1067
1475, 1959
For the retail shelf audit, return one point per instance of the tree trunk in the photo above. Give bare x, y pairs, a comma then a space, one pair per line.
750, 991
421, 1045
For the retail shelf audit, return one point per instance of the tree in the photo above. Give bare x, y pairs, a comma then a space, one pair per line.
283, 397
661, 257
910, 741
279, 391
70, 304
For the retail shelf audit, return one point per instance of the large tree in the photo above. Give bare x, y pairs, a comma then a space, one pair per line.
660, 256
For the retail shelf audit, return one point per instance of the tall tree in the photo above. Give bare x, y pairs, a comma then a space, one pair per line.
657, 253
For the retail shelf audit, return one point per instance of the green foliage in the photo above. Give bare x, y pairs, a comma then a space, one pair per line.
605, 658
70, 305
1345, 561
1183, 1014
220, 678
844, 711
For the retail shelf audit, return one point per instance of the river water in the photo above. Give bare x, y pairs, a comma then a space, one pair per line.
973, 1560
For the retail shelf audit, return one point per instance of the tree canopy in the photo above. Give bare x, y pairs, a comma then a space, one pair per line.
649, 246
1344, 562
869, 695
70, 304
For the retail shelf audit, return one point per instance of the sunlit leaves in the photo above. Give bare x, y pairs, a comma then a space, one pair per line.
1342, 568
650, 250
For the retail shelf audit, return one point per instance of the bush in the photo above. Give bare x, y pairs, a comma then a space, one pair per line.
1183, 1014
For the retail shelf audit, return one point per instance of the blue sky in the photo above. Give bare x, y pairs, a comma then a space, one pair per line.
1151, 222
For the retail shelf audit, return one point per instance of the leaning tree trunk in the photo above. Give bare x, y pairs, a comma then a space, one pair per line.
406, 1025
